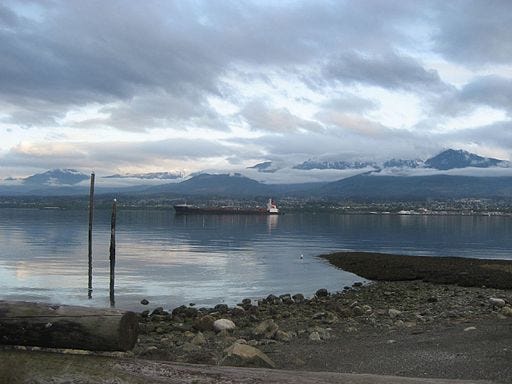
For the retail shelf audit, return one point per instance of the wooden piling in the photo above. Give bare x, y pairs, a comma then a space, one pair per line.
113, 252
91, 214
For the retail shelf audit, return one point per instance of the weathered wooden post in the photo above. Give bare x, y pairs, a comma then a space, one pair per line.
91, 209
113, 252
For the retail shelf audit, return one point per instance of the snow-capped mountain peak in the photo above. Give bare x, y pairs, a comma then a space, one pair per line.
57, 177
452, 158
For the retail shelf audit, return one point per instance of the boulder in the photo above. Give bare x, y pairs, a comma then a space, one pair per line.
322, 292
496, 302
237, 311
266, 329
286, 298
183, 311
222, 308
223, 325
159, 311
198, 339
298, 298
204, 323
246, 355
326, 317
314, 336
145, 313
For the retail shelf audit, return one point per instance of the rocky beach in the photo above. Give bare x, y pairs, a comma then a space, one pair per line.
410, 327
417, 326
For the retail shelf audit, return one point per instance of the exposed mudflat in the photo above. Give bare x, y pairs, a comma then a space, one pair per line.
442, 270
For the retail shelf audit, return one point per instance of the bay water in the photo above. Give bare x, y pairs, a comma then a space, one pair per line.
172, 260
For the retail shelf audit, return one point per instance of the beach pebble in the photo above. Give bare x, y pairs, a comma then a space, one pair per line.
357, 310
314, 336
198, 339
189, 347
222, 308
506, 311
223, 324
151, 348
394, 313
283, 336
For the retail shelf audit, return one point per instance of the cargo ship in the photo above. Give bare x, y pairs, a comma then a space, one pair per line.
271, 209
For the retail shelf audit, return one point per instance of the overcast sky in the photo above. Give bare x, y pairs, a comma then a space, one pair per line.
131, 86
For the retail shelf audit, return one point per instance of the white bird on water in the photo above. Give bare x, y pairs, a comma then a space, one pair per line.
301, 256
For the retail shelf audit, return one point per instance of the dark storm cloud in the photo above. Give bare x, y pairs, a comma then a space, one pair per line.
497, 135
390, 71
102, 52
494, 91
474, 32
155, 64
74, 53
8, 18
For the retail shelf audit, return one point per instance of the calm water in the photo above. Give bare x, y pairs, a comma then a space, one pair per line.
173, 260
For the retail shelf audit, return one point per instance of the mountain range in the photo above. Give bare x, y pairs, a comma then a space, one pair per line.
369, 184
56, 177
446, 160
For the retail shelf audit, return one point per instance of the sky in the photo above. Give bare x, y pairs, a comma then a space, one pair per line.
130, 86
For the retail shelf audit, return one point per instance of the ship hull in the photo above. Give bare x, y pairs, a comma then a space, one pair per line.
188, 209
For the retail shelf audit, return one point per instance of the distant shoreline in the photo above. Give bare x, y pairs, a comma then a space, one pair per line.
338, 211
467, 272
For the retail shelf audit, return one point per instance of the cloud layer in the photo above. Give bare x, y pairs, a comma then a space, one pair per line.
161, 85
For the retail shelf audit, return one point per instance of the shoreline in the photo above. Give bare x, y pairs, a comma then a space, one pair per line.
407, 328
404, 327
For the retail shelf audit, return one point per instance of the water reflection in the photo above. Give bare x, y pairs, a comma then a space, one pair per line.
272, 221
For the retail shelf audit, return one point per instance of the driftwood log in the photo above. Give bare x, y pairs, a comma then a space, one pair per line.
62, 326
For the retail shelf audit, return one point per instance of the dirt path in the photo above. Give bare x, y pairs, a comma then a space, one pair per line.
18, 367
